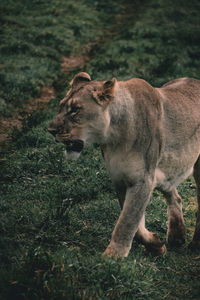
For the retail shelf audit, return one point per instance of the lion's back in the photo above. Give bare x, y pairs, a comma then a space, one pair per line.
182, 92
187, 87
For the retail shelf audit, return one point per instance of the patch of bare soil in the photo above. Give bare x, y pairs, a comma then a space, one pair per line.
8, 124
34, 105
73, 62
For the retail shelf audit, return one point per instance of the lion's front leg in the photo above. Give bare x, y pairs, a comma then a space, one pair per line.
136, 200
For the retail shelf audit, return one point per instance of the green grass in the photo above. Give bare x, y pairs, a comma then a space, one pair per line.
34, 36
56, 217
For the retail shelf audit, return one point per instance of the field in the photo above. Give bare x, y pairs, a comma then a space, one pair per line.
56, 217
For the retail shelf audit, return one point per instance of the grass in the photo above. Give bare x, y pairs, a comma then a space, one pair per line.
34, 36
56, 216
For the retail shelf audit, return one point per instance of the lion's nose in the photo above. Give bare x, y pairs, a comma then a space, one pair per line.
53, 131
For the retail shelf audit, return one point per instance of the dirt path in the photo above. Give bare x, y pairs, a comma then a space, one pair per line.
68, 65
7, 124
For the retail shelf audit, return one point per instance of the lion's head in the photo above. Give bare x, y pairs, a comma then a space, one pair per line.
83, 117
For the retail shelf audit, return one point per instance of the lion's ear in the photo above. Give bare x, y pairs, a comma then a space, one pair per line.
106, 94
80, 78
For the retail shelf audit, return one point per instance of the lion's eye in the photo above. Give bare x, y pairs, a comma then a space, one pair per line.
74, 109
73, 113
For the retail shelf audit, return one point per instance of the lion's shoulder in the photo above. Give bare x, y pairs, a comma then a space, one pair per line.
144, 94
138, 84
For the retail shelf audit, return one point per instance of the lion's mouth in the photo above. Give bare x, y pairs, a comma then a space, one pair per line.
74, 145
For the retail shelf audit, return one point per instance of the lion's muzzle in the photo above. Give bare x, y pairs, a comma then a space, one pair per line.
72, 145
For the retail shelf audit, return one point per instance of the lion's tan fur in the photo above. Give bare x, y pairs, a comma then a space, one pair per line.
150, 138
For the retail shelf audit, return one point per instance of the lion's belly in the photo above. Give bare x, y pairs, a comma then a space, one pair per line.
167, 183
176, 166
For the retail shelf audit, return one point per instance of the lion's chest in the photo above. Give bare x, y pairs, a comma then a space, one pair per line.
126, 167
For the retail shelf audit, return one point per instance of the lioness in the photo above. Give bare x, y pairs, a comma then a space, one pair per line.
150, 138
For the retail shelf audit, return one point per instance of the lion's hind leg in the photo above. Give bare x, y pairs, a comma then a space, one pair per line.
176, 228
195, 244
150, 240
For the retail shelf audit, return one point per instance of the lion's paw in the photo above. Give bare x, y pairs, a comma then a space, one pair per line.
157, 247
116, 252
110, 252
